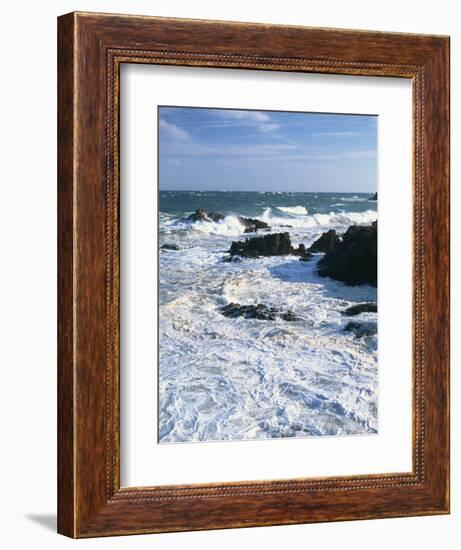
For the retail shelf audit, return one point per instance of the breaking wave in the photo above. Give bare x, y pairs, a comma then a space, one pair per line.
296, 210
355, 198
230, 226
334, 219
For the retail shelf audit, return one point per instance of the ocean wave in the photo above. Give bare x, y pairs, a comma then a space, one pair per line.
230, 226
297, 210
332, 219
355, 198
233, 379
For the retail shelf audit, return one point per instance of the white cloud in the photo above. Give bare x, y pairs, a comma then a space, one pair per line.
256, 119
266, 128
262, 152
255, 116
172, 131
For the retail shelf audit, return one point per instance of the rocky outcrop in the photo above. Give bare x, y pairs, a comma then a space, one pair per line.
354, 260
201, 215
169, 247
252, 225
369, 307
374, 197
326, 242
275, 244
301, 251
258, 311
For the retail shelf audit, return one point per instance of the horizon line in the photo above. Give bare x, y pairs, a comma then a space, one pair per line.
246, 191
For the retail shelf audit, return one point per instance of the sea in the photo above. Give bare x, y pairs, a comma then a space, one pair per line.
231, 379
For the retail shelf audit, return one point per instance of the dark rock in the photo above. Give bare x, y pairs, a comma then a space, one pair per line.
259, 311
306, 257
326, 242
170, 247
231, 259
354, 260
202, 215
361, 329
252, 225
361, 308
275, 244
374, 197
305, 254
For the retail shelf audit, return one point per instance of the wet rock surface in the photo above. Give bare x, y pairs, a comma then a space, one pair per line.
368, 307
354, 260
306, 256
169, 246
251, 225
326, 242
258, 311
202, 215
274, 244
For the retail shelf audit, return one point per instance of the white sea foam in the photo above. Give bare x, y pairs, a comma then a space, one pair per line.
296, 210
333, 219
355, 198
231, 379
230, 226
304, 378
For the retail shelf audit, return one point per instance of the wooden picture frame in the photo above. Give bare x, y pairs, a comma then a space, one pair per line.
91, 49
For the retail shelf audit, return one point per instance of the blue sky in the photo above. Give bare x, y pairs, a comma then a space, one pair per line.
240, 150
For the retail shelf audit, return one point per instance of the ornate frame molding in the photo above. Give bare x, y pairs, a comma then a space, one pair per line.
91, 49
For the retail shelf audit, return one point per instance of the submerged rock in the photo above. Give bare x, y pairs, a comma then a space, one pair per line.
306, 257
354, 260
232, 259
275, 244
170, 247
369, 307
374, 197
258, 311
361, 329
326, 242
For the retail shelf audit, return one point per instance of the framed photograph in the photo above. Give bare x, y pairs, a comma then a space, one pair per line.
253, 275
